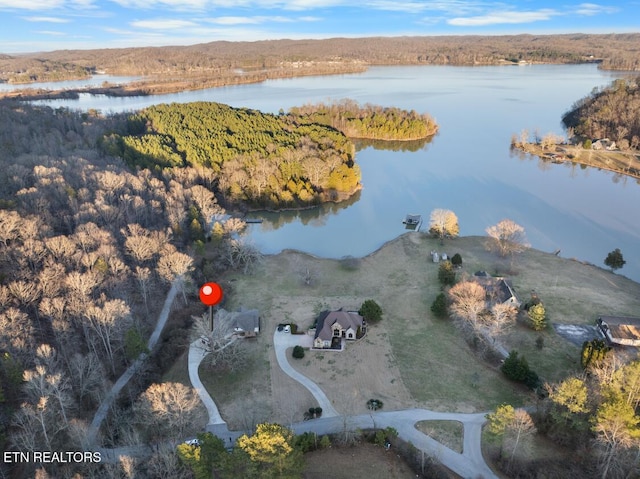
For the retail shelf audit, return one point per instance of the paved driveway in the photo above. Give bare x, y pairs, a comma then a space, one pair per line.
283, 341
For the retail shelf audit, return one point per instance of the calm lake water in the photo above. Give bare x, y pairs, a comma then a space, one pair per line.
467, 167
94, 81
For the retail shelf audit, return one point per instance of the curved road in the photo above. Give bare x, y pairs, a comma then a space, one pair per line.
105, 405
196, 354
468, 464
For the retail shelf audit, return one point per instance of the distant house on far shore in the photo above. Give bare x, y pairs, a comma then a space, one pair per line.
620, 330
603, 144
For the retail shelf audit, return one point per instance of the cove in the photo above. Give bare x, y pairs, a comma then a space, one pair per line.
468, 167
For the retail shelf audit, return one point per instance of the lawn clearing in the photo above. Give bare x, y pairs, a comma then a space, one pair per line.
449, 433
409, 359
364, 461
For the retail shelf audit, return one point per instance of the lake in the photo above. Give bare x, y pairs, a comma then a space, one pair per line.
467, 167
92, 82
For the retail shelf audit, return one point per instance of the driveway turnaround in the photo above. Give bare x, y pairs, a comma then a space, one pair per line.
283, 341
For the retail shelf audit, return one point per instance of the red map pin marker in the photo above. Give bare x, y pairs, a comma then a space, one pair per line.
210, 294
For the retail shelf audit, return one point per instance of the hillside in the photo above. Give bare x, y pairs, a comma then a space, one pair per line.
221, 62
612, 112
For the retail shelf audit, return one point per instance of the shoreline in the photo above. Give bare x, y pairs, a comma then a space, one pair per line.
625, 163
449, 245
154, 85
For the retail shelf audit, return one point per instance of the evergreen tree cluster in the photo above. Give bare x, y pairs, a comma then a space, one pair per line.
368, 121
593, 352
516, 368
259, 158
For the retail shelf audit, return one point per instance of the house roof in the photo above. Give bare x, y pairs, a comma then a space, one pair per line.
498, 289
246, 320
346, 320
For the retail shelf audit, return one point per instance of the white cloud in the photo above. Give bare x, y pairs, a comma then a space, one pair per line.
176, 4
40, 5
508, 17
46, 19
590, 9
50, 32
162, 24
256, 20
406, 7
32, 4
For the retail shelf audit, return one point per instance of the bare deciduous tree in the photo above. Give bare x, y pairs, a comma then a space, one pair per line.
443, 223
224, 349
502, 317
506, 238
521, 427
108, 322
242, 255
87, 376
165, 464
168, 409
467, 302
176, 266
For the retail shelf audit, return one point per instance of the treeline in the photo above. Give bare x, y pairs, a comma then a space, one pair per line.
279, 58
25, 69
592, 415
611, 112
257, 158
87, 251
368, 121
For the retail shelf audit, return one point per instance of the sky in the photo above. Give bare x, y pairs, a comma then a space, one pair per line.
44, 25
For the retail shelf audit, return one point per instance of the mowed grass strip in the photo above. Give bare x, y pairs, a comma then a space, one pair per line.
449, 433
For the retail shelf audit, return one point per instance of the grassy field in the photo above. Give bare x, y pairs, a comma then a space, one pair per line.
410, 358
449, 433
364, 460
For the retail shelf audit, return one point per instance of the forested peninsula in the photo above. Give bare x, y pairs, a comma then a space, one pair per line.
611, 112
262, 160
603, 131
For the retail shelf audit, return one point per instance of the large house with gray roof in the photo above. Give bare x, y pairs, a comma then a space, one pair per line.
333, 327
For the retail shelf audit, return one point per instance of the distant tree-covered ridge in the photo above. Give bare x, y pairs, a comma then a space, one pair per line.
612, 112
369, 121
262, 159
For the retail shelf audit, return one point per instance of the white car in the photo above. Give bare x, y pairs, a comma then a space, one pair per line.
192, 442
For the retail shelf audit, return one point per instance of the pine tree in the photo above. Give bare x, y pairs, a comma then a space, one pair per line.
537, 316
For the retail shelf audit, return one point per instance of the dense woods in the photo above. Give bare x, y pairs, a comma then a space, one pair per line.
368, 121
266, 160
612, 112
221, 63
87, 251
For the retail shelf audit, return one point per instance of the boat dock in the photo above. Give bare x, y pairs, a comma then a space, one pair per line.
413, 222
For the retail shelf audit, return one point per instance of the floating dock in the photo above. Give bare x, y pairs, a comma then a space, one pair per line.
252, 220
413, 222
